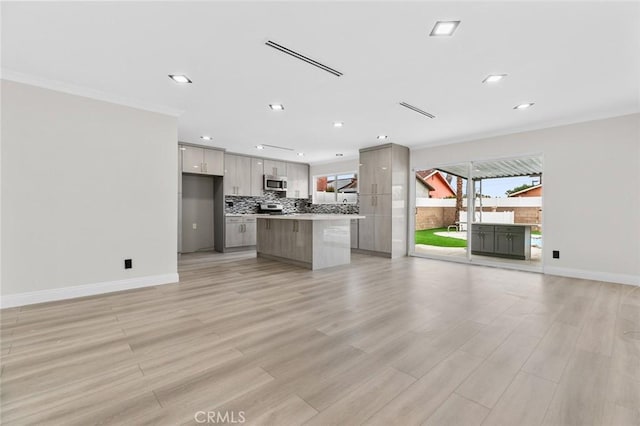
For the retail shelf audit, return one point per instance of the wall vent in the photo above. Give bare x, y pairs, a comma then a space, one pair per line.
303, 58
418, 110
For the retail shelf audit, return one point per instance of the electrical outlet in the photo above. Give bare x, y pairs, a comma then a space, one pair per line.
195, 226
556, 254
128, 264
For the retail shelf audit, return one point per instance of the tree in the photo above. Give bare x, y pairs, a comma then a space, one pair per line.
517, 188
458, 197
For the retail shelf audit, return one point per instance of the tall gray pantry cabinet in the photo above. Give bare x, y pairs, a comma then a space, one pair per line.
383, 182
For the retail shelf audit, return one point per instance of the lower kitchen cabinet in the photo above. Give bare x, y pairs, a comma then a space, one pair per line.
482, 239
509, 241
354, 233
240, 232
374, 232
289, 239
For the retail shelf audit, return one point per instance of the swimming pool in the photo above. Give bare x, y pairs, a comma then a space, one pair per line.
536, 241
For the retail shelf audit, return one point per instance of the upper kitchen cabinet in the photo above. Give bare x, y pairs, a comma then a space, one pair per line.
375, 171
384, 183
237, 175
202, 160
257, 177
275, 168
297, 180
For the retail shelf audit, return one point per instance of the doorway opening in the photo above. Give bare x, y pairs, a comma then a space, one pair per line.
441, 220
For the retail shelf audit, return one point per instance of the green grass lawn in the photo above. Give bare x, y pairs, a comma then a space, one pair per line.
428, 237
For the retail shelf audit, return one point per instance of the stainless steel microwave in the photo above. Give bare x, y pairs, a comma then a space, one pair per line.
275, 183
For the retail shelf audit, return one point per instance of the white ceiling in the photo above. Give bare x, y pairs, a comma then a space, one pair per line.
575, 60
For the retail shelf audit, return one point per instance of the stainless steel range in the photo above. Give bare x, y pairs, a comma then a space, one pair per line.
271, 208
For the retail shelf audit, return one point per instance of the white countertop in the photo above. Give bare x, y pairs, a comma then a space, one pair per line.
310, 216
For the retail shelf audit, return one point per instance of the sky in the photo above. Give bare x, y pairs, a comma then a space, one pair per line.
498, 186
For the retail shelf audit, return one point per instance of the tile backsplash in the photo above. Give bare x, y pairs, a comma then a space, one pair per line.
243, 205
332, 208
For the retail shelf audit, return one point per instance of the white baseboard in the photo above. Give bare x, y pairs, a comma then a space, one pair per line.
29, 298
594, 275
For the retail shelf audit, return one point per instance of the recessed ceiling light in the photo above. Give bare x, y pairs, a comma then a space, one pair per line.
276, 107
382, 137
523, 106
206, 138
338, 124
301, 154
444, 28
339, 155
180, 78
183, 148
494, 78
259, 147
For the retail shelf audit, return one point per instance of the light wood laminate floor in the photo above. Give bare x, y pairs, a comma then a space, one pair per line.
378, 342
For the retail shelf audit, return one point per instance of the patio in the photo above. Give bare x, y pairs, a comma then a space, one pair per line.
461, 252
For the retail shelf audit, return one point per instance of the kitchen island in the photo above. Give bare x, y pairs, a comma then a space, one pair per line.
313, 241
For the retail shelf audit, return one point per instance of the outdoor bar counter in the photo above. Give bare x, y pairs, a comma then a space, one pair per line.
314, 241
509, 240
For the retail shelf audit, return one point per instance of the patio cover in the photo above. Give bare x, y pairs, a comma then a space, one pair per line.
521, 166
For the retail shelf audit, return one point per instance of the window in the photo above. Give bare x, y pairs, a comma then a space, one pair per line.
336, 189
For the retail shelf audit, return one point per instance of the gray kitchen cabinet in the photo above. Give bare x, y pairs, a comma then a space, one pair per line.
237, 176
202, 161
240, 231
250, 231
383, 168
482, 239
214, 162
301, 232
366, 231
290, 239
375, 171
297, 180
375, 231
265, 240
257, 177
275, 168
509, 241
354, 233
233, 232
383, 237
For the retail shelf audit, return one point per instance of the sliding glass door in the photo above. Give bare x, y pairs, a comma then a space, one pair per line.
487, 212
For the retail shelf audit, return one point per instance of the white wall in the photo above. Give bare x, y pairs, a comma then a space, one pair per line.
581, 161
85, 184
